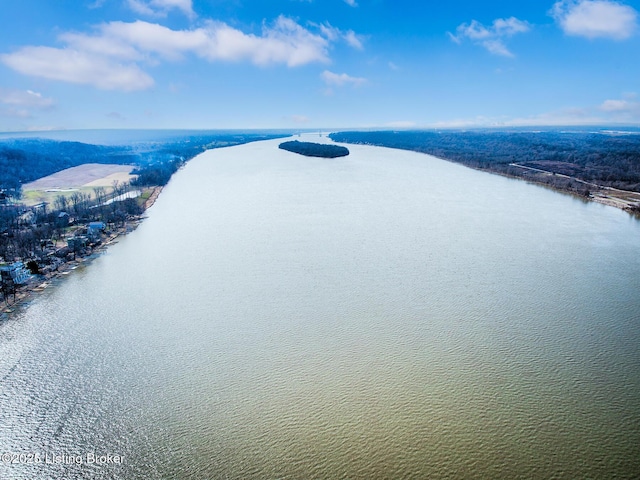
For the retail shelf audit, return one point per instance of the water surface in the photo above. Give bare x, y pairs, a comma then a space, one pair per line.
381, 315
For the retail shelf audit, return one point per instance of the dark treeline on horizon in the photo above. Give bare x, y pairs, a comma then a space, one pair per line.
604, 158
25, 160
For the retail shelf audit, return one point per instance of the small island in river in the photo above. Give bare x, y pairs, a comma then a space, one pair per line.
310, 149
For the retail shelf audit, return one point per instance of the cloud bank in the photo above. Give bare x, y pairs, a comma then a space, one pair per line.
112, 57
626, 109
595, 18
22, 103
340, 80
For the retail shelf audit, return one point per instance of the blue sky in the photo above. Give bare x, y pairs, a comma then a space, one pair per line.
72, 64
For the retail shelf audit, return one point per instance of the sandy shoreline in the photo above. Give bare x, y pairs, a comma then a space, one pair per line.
626, 200
39, 283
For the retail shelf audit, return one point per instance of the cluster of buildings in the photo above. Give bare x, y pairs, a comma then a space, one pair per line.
13, 276
17, 274
92, 236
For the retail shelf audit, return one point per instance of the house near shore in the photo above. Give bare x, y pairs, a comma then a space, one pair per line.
62, 220
14, 274
98, 226
94, 231
40, 206
75, 244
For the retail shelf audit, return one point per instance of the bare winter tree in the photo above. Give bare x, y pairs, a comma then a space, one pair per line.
100, 194
61, 203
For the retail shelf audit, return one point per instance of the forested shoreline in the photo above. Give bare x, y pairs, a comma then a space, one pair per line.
23, 160
47, 236
606, 158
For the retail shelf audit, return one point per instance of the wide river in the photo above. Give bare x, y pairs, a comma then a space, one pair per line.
381, 315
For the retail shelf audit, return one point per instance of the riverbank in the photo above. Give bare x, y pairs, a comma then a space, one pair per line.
614, 197
595, 165
626, 200
40, 282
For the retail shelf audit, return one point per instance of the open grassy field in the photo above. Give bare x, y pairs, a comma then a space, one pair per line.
81, 178
87, 175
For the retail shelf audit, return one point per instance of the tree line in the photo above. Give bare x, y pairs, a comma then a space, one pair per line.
25, 160
601, 157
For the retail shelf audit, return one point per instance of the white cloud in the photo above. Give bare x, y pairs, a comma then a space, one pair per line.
104, 45
354, 40
615, 105
139, 39
492, 37
79, 67
111, 57
351, 3
625, 110
161, 7
22, 103
330, 32
334, 34
284, 42
475, 31
25, 98
140, 7
340, 80
510, 26
497, 48
595, 18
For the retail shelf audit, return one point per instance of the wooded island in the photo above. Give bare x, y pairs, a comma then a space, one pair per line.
310, 149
